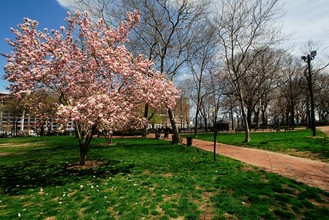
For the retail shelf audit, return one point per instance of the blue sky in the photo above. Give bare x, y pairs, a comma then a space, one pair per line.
305, 19
48, 12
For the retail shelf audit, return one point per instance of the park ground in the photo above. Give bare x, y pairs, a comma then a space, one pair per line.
138, 178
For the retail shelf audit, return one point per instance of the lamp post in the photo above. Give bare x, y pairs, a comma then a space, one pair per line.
308, 59
215, 131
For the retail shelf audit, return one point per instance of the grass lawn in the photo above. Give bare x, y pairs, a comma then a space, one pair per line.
298, 142
143, 179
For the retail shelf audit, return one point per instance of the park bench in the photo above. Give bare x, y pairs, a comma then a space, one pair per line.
288, 128
239, 129
284, 128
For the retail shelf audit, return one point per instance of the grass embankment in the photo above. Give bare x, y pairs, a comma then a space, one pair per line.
139, 178
299, 142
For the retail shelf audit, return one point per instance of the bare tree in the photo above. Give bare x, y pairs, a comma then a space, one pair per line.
322, 97
246, 26
203, 63
292, 90
263, 76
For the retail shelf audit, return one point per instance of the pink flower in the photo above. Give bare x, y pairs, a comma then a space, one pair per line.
101, 84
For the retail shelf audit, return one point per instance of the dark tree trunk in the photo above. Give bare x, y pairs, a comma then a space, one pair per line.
146, 112
108, 136
287, 116
83, 153
247, 136
308, 118
206, 123
48, 127
84, 148
42, 130
246, 124
176, 137
232, 119
84, 137
257, 118
292, 113
297, 118
249, 114
264, 120
196, 124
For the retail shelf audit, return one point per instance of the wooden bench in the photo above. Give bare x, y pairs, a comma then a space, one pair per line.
239, 130
288, 128
284, 128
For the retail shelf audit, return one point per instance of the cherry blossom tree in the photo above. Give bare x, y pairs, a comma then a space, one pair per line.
167, 32
97, 81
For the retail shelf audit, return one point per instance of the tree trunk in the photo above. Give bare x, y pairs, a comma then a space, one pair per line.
249, 114
292, 114
307, 112
196, 124
264, 120
48, 127
297, 118
287, 116
232, 119
108, 136
257, 119
83, 153
42, 130
84, 137
146, 112
176, 137
246, 125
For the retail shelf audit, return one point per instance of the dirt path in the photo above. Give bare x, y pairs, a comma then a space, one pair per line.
324, 129
311, 172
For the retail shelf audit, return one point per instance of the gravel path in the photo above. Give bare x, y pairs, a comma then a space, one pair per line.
311, 172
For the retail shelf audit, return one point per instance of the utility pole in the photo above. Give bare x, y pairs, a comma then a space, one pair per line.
308, 59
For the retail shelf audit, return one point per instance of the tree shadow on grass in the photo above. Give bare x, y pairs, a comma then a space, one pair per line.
35, 173
47, 167
140, 141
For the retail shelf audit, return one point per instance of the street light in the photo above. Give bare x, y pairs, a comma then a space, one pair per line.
308, 59
215, 131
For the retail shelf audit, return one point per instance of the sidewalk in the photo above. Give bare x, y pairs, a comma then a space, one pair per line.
311, 172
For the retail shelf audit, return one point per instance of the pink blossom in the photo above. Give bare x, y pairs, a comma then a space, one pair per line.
99, 84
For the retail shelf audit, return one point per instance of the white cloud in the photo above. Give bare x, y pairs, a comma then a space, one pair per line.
306, 20
65, 3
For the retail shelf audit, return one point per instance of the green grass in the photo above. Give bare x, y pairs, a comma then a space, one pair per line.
143, 179
286, 142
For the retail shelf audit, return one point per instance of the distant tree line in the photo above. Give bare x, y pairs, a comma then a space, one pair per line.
225, 55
